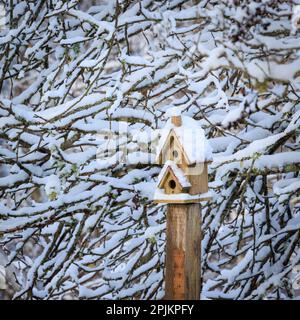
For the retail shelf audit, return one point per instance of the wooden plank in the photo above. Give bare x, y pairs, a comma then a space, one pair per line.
193, 252
199, 181
178, 274
183, 251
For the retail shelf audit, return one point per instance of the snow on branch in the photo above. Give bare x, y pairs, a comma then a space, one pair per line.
76, 219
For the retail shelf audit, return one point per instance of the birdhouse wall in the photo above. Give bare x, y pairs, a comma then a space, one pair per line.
199, 182
173, 151
171, 184
172, 187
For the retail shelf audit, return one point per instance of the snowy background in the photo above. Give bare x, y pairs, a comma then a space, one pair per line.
74, 225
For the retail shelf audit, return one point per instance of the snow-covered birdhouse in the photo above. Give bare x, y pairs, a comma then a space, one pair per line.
184, 153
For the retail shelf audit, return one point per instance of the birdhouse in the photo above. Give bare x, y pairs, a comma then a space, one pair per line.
184, 153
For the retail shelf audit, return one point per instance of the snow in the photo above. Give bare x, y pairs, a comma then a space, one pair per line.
162, 196
136, 60
257, 146
173, 112
191, 137
286, 186
296, 17
232, 116
73, 40
261, 70
87, 17
275, 161
152, 231
12, 179
52, 186
89, 63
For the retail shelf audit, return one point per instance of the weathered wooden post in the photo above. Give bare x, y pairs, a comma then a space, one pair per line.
182, 185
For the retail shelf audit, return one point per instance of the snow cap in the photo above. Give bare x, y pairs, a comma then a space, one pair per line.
179, 174
191, 137
173, 112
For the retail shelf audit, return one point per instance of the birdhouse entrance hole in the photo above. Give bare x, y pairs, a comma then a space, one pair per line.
172, 184
175, 154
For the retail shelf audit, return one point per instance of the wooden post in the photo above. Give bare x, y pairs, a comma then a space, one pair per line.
183, 252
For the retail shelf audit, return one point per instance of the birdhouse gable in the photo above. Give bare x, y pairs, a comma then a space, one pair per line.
172, 179
172, 150
189, 139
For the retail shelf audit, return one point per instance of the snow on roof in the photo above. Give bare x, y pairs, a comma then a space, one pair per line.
192, 138
179, 174
173, 112
161, 196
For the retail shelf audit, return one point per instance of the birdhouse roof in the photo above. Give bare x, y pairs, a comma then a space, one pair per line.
191, 137
178, 173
